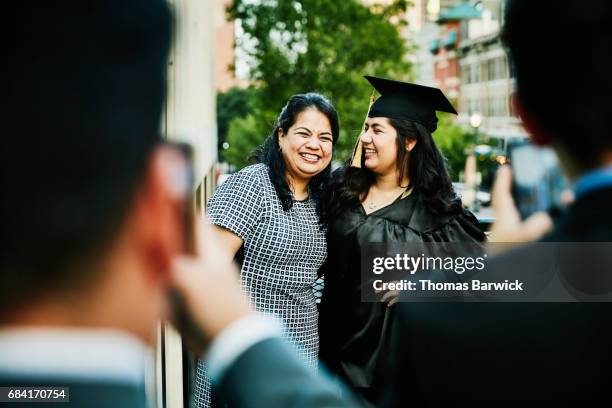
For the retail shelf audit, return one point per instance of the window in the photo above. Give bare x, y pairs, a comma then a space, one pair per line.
497, 68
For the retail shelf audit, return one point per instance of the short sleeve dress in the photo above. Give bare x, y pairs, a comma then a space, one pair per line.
282, 253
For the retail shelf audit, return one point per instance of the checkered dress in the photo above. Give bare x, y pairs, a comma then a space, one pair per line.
282, 253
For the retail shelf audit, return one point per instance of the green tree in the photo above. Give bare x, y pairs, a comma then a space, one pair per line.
315, 45
232, 104
454, 142
242, 138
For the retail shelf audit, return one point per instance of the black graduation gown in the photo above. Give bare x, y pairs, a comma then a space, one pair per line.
354, 335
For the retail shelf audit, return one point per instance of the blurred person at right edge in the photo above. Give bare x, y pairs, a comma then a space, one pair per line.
476, 354
396, 189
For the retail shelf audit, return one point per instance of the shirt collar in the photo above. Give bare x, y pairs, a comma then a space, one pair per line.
81, 354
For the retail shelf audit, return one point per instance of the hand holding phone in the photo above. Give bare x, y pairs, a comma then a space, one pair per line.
508, 226
538, 182
204, 293
206, 290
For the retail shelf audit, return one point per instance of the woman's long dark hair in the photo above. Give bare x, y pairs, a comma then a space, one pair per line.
270, 154
425, 166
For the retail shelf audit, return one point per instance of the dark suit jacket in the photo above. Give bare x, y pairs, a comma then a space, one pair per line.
269, 375
83, 394
474, 352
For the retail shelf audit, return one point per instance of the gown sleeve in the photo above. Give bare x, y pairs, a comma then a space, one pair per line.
462, 227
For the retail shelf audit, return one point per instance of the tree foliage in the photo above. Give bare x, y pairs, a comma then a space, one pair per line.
325, 46
232, 104
242, 139
454, 142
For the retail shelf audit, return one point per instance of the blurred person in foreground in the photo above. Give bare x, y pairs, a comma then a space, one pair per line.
92, 227
549, 352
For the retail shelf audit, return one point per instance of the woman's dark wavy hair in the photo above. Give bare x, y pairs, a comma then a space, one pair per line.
426, 166
270, 154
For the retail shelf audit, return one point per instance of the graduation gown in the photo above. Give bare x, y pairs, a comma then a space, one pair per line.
355, 335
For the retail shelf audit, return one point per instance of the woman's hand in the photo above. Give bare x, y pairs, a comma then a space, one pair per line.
390, 297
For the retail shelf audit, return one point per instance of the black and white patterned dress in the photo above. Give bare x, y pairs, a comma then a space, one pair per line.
282, 253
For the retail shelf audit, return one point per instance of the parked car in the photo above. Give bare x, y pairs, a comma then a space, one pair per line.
483, 197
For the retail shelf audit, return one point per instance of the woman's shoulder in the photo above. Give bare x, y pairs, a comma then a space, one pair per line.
250, 181
253, 170
457, 225
471, 223
254, 174
418, 216
239, 202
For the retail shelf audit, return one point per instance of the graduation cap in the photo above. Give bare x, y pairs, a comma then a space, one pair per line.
402, 100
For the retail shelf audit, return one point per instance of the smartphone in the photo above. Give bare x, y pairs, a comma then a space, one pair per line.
182, 185
181, 176
538, 182
189, 241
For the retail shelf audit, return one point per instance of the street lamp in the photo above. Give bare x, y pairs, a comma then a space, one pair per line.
471, 176
475, 121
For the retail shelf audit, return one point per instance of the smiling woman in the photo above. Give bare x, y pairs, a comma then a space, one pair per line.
397, 190
306, 149
269, 215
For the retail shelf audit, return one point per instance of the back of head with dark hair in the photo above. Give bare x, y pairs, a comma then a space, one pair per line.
562, 53
269, 152
86, 87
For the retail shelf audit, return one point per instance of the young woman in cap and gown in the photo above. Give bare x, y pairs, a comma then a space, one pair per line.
396, 189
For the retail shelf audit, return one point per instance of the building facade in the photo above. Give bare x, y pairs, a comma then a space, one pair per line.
487, 87
471, 66
225, 51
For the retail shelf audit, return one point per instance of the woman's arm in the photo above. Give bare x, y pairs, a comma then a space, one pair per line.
228, 239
